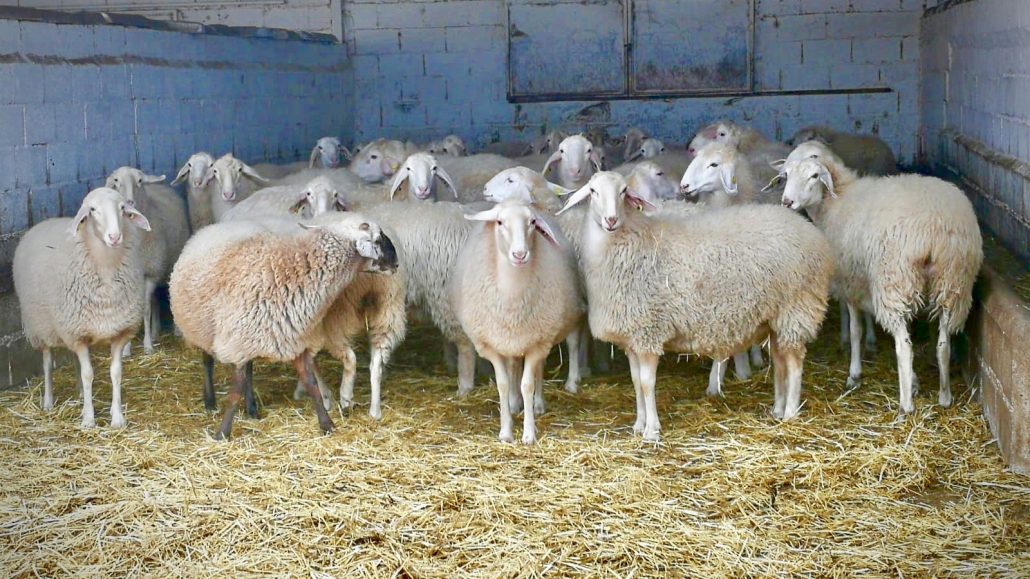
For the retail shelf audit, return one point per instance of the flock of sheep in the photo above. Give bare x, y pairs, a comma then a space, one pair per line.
702, 249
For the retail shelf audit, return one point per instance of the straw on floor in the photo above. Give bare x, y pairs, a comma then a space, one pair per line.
847, 489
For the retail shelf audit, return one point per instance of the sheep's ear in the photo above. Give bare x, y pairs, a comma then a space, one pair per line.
576, 198
79, 219
529, 150
637, 202
250, 172
728, 176
208, 175
778, 164
136, 217
558, 189
398, 179
314, 155
181, 175
153, 178
636, 155
633, 142
595, 159
545, 229
341, 204
488, 215
301, 202
347, 153
773, 182
554, 158
827, 180
308, 225
443, 176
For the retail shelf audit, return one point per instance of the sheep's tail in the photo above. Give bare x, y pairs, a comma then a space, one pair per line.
951, 270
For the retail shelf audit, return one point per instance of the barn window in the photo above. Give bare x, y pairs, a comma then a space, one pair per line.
582, 49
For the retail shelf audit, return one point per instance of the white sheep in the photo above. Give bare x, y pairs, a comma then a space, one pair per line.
649, 148
379, 159
420, 171
711, 284
244, 290
326, 153
903, 245
318, 196
547, 143
79, 282
634, 138
516, 296
469, 174
454, 145
864, 154
198, 198
227, 182
575, 161
160, 246
759, 150
721, 176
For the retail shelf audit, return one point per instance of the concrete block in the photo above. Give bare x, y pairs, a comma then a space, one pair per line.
10, 37
14, 210
826, 52
69, 122
801, 27
381, 41
84, 82
109, 40
8, 168
72, 195
39, 123
114, 82
422, 40
63, 161
824, 6
12, 125
855, 76
876, 50
30, 80
44, 203
475, 38
879, 24
806, 77
38, 39
32, 165
75, 41
778, 7
401, 15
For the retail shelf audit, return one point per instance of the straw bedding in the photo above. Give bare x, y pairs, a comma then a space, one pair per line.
847, 489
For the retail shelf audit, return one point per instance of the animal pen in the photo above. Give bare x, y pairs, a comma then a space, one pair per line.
456, 205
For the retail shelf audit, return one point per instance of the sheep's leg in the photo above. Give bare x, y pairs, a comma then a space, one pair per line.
501, 377
757, 360
538, 399
450, 356
305, 366
601, 355
855, 370
209, 382
327, 394
634, 372
48, 380
584, 350
466, 368
903, 350
515, 401
648, 375
149, 287
741, 365
117, 418
350, 372
845, 323
533, 361
380, 356
944, 359
572, 343
86, 372
870, 331
795, 364
127, 350
248, 391
239, 377
779, 362
715, 378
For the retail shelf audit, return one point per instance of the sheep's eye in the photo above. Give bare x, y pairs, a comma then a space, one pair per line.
116, 180
714, 165
239, 170
562, 151
623, 192
510, 180
592, 191
373, 157
92, 209
434, 169
320, 147
662, 150
407, 168
815, 176
498, 222
190, 165
139, 181
589, 151
216, 171
659, 174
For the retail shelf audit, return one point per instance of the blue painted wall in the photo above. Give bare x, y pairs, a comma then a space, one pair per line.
976, 108
77, 101
423, 69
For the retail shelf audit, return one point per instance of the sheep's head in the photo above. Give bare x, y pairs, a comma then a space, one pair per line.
526, 185
326, 153
813, 133
454, 145
724, 132
649, 149
105, 212
514, 226
649, 182
368, 238
546, 143
129, 182
806, 150
602, 157
609, 198
378, 160
228, 171
420, 171
576, 158
318, 197
194, 170
808, 182
713, 169
634, 138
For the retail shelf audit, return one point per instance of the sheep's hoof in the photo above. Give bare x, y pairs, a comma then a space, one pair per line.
585, 371
871, 347
539, 408
118, 422
515, 406
88, 423
528, 438
789, 414
326, 428
853, 383
299, 393
346, 405
222, 436
742, 376
464, 391
571, 387
506, 437
777, 413
148, 350
127, 350
713, 392
944, 398
652, 436
904, 409
638, 427
210, 406
915, 385
375, 413
48, 405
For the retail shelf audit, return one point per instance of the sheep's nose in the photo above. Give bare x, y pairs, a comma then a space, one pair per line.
423, 188
519, 255
114, 238
787, 203
611, 221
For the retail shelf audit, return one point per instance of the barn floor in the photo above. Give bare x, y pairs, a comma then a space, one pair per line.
847, 489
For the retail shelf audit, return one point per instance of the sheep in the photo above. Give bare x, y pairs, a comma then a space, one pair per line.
469, 174
546, 143
510, 149
516, 296
759, 150
379, 159
318, 196
864, 154
576, 161
198, 199
711, 284
633, 140
161, 246
649, 149
722, 176
229, 186
420, 171
902, 244
243, 290
453, 145
79, 282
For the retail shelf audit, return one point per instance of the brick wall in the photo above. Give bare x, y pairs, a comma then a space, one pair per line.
976, 108
77, 101
424, 69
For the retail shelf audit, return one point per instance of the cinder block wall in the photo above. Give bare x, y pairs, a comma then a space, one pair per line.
78, 101
423, 69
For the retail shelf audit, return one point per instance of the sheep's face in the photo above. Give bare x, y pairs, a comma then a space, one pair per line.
723, 132
807, 183
454, 145
514, 228
318, 198
649, 149
227, 172
420, 171
609, 197
130, 181
649, 182
326, 153
711, 171
576, 159
378, 160
602, 158
194, 170
634, 138
105, 213
367, 236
